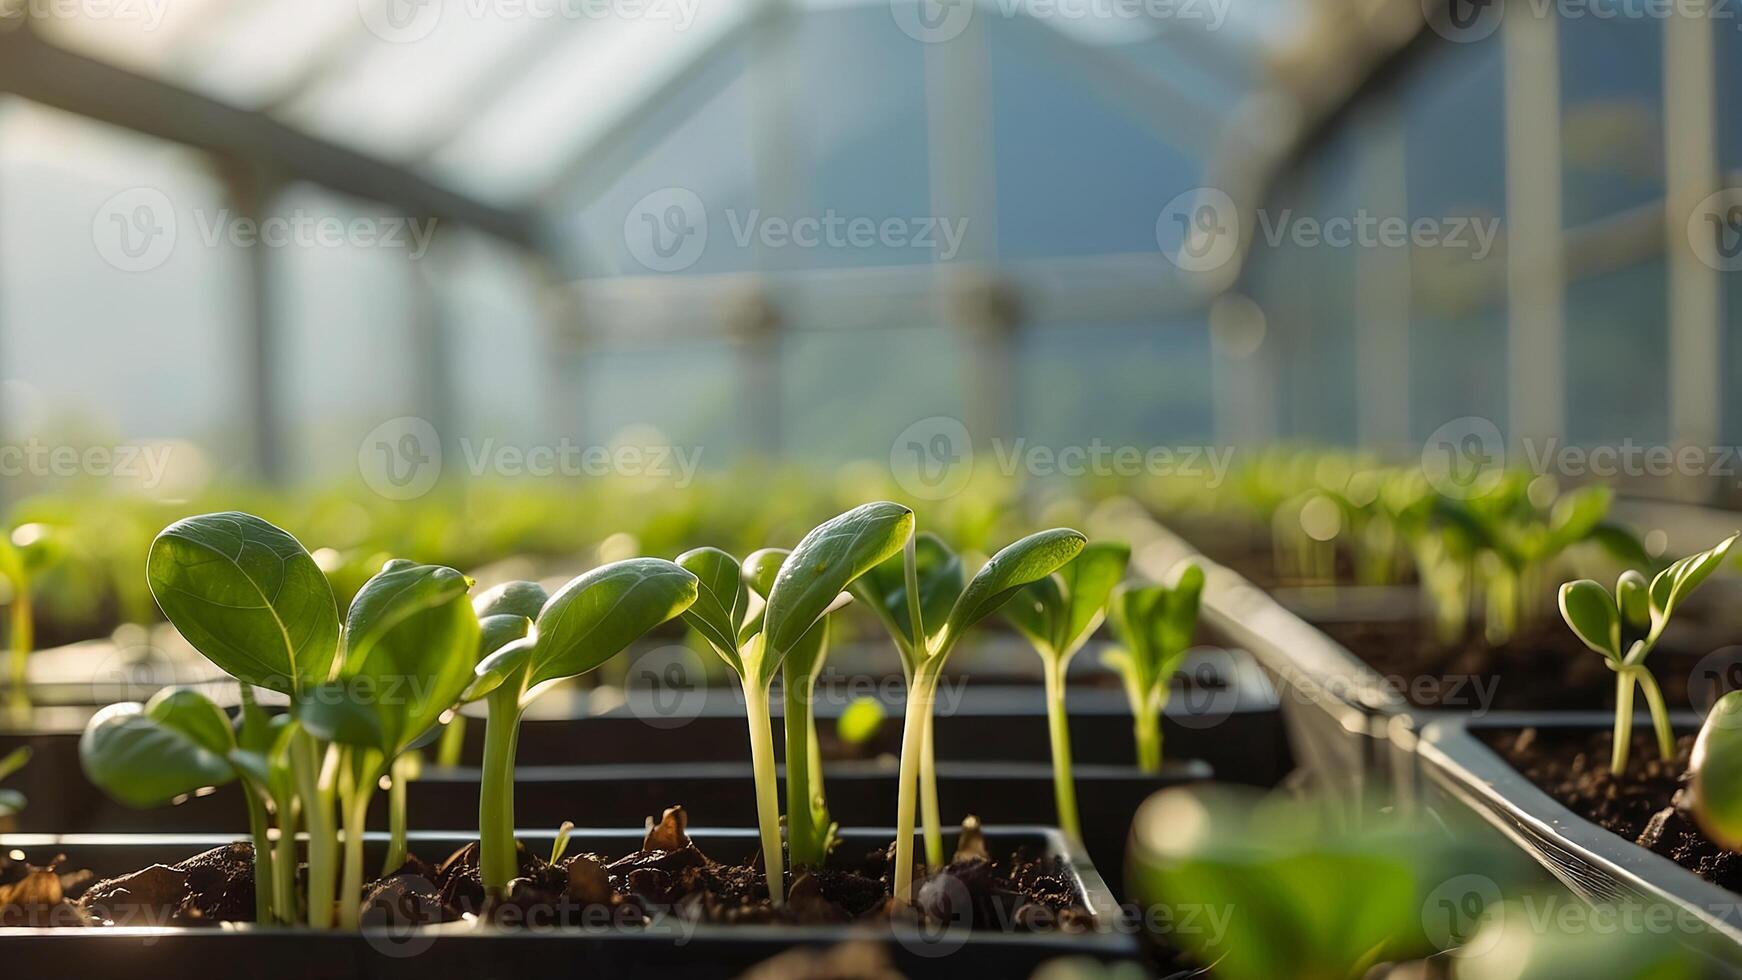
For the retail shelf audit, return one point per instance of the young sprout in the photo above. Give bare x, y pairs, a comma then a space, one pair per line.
1155, 625
411, 641
560, 846
1517, 534
148, 755
1625, 626
805, 585
250, 598
927, 614
1058, 614
22, 555
589, 621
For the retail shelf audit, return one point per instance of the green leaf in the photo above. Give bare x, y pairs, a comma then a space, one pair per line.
1088, 581
507, 663
13, 761
1591, 612
339, 712
722, 600
144, 763
1633, 600
1035, 610
195, 716
249, 597
1717, 767
1179, 621
496, 632
762, 568
1674, 583
12, 802
823, 565
523, 599
1028, 560
595, 616
1576, 515
941, 579
412, 643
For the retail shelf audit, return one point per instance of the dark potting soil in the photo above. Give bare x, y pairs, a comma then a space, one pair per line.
668, 876
1647, 804
1544, 667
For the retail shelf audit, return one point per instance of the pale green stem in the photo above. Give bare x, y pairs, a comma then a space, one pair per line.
1659, 712
356, 818
928, 798
260, 830
453, 744
767, 786
1623, 722
284, 862
918, 709
801, 830
396, 819
498, 860
317, 794
1147, 728
1058, 724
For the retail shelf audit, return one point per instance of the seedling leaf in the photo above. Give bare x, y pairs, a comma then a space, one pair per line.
1016, 565
248, 596
722, 599
1717, 767
596, 615
825, 562
1591, 612
143, 762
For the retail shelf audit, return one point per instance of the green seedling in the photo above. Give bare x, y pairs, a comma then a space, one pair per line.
411, 642
586, 623
928, 612
250, 598
1625, 626
23, 554
1298, 893
1155, 625
1716, 765
1058, 614
802, 587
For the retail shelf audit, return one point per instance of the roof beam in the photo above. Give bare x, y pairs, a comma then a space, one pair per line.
36, 70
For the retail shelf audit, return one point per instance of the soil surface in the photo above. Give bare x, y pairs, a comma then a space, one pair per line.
1647, 804
668, 877
1544, 668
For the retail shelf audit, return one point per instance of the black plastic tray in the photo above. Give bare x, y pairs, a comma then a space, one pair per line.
461, 949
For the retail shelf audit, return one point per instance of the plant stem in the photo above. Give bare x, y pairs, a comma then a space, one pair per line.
453, 743
400, 775
918, 709
284, 860
801, 830
368, 772
259, 830
1063, 788
1659, 712
498, 860
22, 639
1623, 722
928, 798
767, 786
317, 794
1147, 728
